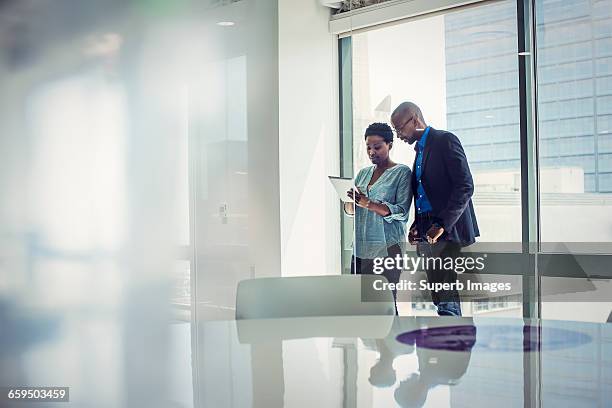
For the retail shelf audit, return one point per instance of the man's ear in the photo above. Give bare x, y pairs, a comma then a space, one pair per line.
390, 145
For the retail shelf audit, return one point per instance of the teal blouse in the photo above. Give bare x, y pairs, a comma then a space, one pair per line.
375, 233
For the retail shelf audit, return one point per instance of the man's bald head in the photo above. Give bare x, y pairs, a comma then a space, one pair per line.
407, 119
408, 109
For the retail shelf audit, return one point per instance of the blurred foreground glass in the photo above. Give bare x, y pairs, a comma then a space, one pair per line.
123, 142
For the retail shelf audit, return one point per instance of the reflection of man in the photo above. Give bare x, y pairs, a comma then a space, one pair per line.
444, 355
442, 184
382, 373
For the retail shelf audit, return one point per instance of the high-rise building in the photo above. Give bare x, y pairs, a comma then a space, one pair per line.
574, 61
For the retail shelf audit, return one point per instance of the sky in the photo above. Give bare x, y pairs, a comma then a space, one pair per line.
407, 62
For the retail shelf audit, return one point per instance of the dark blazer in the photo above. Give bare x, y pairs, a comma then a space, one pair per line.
448, 183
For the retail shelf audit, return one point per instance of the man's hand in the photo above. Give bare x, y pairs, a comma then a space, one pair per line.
434, 232
413, 236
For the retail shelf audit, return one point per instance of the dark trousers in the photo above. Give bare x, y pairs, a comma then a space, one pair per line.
364, 266
447, 301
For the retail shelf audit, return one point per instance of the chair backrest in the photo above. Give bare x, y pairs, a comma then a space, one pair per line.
309, 296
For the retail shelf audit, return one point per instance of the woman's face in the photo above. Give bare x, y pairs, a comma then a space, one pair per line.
378, 149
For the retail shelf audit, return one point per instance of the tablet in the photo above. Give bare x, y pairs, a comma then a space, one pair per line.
342, 185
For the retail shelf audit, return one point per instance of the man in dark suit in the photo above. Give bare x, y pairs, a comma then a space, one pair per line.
442, 184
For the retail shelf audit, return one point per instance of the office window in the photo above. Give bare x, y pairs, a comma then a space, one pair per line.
574, 99
604, 124
564, 54
571, 119
556, 91
603, 47
605, 143
573, 71
603, 66
467, 83
479, 93
606, 182
604, 85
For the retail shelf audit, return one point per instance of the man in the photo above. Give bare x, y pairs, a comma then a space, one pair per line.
442, 183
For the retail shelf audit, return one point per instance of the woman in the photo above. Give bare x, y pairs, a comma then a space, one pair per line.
383, 199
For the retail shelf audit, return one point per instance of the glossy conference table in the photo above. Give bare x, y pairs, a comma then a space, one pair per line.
140, 359
406, 361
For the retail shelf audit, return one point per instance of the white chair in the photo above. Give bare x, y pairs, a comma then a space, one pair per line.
310, 296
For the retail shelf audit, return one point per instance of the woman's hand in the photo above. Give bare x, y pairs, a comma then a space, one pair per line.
360, 199
349, 209
364, 202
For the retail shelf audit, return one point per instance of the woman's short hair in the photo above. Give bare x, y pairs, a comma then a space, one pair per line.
380, 129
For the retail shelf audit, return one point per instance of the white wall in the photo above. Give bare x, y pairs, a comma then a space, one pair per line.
308, 140
234, 134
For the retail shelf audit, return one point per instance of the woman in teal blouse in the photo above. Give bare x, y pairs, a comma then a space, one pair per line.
383, 201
